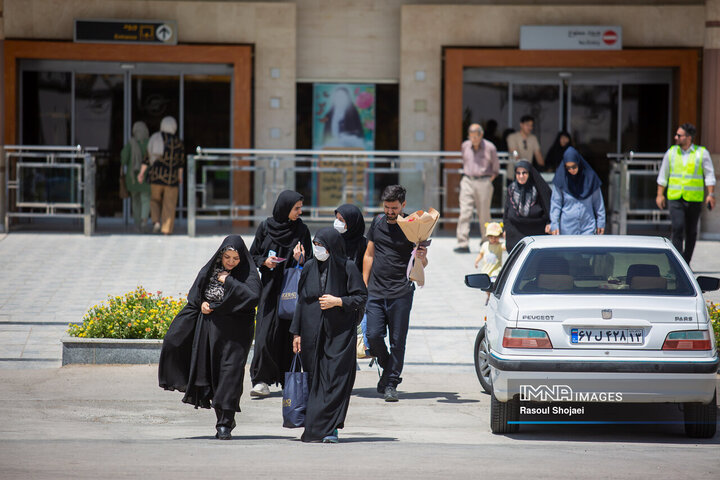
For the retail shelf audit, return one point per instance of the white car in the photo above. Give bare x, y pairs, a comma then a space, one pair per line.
597, 319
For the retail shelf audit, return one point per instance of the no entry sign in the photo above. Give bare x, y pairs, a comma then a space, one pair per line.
570, 37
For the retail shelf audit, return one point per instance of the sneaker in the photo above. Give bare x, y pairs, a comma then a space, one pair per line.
332, 438
156, 227
461, 249
260, 390
391, 394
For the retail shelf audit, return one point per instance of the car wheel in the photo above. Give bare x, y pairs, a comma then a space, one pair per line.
482, 360
701, 419
501, 413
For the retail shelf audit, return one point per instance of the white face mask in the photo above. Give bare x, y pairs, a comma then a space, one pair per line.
320, 253
339, 226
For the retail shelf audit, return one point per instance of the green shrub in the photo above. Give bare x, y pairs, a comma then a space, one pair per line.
137, 314
714, 311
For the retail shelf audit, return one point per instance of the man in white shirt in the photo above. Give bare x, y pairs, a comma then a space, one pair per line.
525, 144
685, 172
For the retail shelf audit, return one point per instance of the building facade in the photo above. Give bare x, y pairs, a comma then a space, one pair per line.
246, 74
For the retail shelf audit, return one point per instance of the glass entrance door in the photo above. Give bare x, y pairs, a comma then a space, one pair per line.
605, 110
95, 104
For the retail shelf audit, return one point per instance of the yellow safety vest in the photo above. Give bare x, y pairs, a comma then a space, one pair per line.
686, 181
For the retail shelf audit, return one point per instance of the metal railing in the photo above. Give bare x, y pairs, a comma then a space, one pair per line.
327, 178
50, 182
632, 190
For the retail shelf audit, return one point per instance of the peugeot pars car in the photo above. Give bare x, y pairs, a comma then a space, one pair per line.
598, 319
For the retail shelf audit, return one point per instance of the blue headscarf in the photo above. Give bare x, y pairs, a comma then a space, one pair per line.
583, 183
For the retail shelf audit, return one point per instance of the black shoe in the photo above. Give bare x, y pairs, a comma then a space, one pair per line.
223, 433
391, 394
382, 384
461, 249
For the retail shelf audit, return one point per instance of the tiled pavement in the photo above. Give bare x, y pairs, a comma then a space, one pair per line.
48, 280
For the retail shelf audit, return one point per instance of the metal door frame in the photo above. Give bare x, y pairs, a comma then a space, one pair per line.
128, 70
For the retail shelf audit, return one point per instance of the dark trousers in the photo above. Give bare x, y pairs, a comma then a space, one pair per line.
225, 418
684, 217
389, 315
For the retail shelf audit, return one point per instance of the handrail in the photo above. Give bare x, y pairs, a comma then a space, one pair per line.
343, 153
82, 183
621, 196
51, 148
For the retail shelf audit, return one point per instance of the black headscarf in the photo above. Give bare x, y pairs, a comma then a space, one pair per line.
583, 183
329, 238
554, 156
283, 231
241, 272
524, 196
355, 223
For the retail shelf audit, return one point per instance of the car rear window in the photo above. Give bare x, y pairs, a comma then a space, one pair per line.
624, 271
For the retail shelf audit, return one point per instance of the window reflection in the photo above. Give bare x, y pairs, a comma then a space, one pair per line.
46, 108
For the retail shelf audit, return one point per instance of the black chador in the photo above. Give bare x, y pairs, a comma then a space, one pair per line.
273, 343
328, 337
204, 355
354, 236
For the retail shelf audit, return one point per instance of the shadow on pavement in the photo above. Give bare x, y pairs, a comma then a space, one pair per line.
240, 437
443, 397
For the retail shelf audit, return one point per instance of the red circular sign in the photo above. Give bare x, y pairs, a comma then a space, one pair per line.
610, 37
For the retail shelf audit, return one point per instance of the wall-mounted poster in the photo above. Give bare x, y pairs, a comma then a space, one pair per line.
343, 116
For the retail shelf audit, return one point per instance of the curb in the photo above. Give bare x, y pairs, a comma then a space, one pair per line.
109, 351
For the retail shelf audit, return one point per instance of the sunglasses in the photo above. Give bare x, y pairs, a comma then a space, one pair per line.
524, 144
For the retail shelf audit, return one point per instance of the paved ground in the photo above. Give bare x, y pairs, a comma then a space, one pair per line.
113, 421
48, 280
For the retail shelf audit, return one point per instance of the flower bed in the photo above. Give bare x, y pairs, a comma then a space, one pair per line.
137, 314
124, 329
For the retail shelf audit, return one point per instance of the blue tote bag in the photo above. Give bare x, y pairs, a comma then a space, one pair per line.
295, 395
289, 292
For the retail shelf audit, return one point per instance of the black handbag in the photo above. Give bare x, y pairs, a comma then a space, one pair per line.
289, 292
295, 396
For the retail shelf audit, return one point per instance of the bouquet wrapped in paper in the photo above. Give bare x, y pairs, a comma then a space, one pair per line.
418, 227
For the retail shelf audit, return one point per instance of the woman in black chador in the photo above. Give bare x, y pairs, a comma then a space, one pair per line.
527, 205
281, 241
206, 347
331, 294
349, 221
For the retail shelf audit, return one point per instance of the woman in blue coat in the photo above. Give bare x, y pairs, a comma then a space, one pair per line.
576, 206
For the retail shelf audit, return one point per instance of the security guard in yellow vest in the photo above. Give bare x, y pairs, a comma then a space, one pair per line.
685, 172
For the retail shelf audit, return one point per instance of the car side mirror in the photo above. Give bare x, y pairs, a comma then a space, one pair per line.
708, 284
479, 280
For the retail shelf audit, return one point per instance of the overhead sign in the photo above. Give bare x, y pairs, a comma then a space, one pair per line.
155, 32
570, 37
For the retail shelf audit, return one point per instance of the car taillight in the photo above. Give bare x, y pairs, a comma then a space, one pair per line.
525, 338
687, 340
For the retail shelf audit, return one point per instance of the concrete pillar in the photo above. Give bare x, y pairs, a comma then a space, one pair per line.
710, 127
3, 207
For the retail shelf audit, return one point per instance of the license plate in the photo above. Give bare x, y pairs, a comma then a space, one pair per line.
607, 335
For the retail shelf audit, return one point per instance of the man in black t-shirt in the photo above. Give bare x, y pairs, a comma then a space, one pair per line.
390, 293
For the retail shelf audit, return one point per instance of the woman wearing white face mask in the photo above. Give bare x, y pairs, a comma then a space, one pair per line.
350, 223
331, 293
